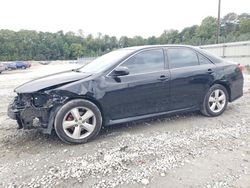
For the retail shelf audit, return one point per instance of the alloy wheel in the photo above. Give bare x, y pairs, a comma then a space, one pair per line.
217, 100
79, 122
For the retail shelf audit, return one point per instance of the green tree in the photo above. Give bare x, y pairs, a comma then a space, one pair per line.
76, 50
207, 29
245, 26
33, 45
229, 24
124, 42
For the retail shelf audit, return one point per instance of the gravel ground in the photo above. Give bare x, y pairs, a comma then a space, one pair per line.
186, 150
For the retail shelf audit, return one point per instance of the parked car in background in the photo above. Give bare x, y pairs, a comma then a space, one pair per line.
22, 65
28, 64
126, 85
2, 67
10, 65
17, 65
44, 62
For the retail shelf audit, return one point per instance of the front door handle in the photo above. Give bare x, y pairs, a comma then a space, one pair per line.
162, 78
210, 71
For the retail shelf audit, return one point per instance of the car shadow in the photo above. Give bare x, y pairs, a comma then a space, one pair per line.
140, 124
38, 139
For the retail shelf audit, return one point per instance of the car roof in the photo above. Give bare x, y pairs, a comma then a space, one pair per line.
212, 57
155, 46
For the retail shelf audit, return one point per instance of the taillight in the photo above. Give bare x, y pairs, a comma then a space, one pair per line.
240, 67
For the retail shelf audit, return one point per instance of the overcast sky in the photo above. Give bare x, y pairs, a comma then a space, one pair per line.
112, 17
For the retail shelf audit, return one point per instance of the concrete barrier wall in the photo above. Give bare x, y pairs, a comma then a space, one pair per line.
236, 51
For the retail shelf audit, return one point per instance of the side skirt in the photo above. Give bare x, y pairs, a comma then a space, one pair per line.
129, 119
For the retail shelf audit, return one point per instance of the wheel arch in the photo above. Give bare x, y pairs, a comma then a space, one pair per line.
203, 107
73, 102
226, 85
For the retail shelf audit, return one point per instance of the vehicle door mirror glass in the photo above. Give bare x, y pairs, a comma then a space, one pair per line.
121, 71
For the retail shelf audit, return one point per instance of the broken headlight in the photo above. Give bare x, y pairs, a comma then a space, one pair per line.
40, 100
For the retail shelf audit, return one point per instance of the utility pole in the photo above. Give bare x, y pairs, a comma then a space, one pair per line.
218, 24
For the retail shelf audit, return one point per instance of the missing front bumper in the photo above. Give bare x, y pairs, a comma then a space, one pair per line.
28, 117
35, 110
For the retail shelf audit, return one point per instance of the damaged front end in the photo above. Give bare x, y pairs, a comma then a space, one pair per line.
35, 110
38, 101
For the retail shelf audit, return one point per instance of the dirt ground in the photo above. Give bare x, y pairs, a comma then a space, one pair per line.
186, 150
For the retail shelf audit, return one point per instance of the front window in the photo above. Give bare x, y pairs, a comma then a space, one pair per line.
146, 61
106, 61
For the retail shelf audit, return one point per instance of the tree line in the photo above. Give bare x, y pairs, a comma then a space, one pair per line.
33, 45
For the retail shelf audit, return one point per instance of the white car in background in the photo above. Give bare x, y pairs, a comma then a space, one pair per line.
2, 67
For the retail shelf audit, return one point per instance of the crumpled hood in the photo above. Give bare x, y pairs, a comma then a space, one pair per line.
50, 81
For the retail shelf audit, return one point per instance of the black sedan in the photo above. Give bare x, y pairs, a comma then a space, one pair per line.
126, 85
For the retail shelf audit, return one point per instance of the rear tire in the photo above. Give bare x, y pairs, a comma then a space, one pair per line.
78, 121
215, 101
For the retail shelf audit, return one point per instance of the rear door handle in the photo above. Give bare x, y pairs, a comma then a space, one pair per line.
162, 78
210, 71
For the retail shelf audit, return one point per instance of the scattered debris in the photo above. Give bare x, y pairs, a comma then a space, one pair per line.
145, 181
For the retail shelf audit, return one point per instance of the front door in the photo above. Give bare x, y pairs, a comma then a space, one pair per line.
145, 90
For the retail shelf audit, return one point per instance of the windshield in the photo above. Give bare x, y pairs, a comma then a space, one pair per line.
102, 63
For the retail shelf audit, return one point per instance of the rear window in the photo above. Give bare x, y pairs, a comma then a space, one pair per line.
182, 57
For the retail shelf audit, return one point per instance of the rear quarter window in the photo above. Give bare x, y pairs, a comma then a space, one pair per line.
203, 60
215, 59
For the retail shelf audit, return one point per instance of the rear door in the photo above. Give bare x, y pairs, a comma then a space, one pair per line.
191, 76
144, 91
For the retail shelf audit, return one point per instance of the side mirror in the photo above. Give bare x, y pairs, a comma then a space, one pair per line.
121, 71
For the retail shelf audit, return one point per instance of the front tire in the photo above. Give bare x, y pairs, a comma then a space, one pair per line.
215, 101
78, 121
